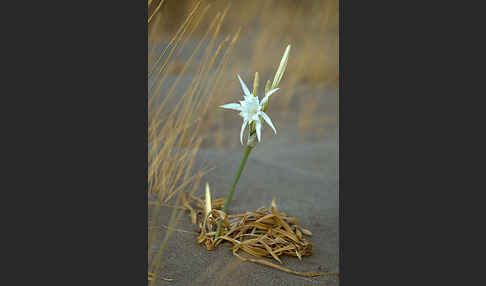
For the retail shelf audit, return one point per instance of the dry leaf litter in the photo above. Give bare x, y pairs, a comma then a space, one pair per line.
261, 233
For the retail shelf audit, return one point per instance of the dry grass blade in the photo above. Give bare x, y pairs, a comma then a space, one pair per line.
269, 249
153, 277
261, 233
188, 206
173, 229
155, 11
264, 262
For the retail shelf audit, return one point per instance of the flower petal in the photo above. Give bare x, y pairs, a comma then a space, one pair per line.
268, 120
243, 86
267, 96
258, 129
234, 106
242, 130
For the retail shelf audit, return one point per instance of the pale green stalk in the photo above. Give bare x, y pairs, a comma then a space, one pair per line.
232, 190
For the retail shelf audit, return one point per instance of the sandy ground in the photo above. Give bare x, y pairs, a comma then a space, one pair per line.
298, 166
300, 170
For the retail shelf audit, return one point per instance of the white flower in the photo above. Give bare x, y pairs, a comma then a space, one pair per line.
251, 109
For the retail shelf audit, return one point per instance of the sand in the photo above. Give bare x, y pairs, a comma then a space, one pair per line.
300, 170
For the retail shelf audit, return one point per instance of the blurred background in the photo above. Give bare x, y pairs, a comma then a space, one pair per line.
267, 27
196, 49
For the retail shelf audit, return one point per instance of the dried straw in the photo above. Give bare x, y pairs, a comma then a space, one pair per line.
261, 233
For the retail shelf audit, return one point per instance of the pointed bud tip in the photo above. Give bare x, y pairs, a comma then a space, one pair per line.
208, 199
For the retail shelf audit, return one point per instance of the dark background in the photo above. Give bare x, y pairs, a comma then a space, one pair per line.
76, 149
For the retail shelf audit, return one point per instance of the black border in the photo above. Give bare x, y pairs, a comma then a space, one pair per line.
80, 153
80, 146
389, 181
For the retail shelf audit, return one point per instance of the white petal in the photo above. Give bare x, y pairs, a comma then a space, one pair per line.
268, 120
242, 130
255, 117
267, 96
234, 106
259, 129
243, 86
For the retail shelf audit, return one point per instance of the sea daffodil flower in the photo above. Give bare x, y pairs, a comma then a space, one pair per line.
251, 109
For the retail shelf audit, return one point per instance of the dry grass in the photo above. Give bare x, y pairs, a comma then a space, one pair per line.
260, 233
174, 118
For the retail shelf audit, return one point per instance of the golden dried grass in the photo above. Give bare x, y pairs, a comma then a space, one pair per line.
174, 119
261, 233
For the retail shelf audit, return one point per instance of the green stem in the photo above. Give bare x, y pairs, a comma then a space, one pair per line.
232, 190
